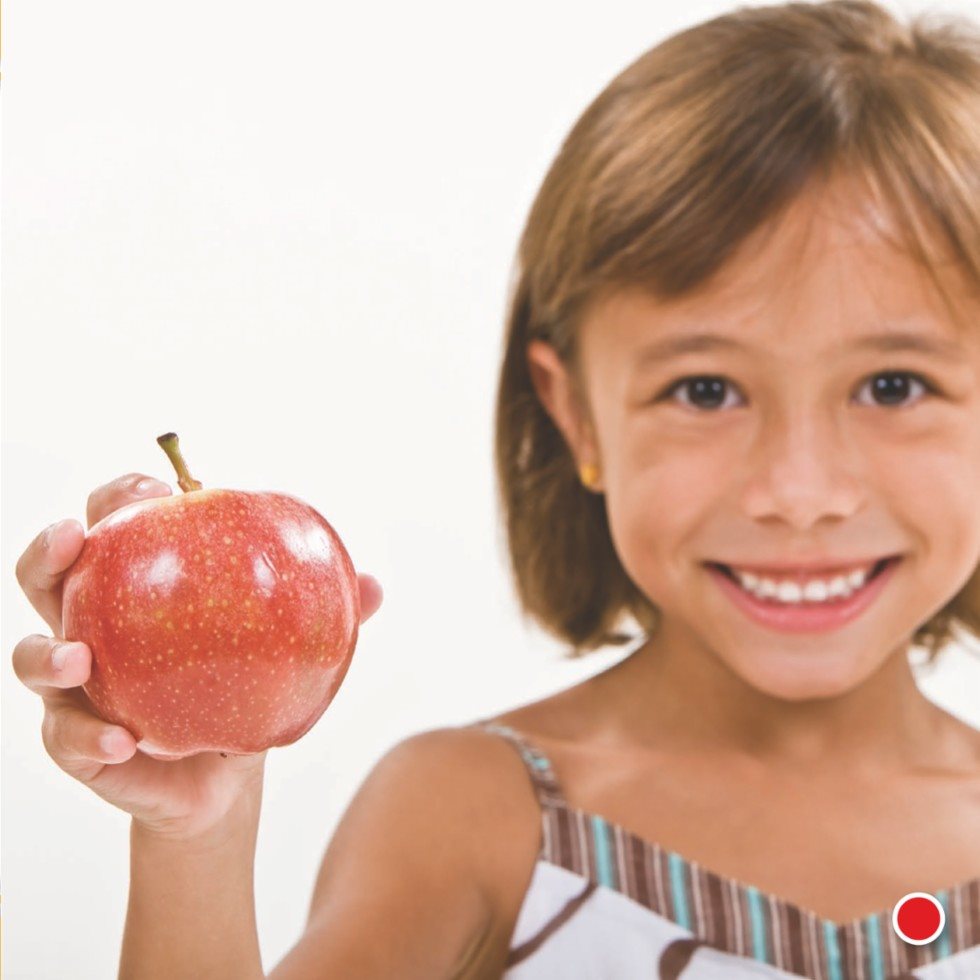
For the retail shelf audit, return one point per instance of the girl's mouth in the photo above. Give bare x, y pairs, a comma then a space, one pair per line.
788, 604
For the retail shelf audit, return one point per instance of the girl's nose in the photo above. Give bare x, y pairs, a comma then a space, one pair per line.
802, 470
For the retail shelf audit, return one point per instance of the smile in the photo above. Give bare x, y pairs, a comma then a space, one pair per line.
793, 603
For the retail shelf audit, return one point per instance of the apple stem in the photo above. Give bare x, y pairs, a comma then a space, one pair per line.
168, 443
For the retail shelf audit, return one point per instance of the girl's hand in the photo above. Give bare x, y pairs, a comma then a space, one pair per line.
182, 798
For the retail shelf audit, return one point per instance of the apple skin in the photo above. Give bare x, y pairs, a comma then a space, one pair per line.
218, 620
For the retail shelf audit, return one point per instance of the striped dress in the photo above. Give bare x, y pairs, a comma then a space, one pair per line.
604, 904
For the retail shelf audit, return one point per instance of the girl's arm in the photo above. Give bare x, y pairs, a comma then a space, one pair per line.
410, 885
191, 901
403, 892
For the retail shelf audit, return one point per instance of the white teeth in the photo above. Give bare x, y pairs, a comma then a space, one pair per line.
816, 590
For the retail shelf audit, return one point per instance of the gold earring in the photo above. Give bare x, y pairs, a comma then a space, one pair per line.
589, 475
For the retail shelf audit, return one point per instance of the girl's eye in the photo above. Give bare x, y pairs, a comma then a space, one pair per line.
888, 390
704, 391
892, 388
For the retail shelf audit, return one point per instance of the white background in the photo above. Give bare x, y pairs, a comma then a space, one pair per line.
284, 232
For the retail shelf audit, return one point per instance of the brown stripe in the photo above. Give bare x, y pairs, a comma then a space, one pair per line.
523, 951
657, 861
676, 957
973, 906
795, 956
586, 846
566, 856
718, 917
707, 924
640, 872
845, 944
806, 958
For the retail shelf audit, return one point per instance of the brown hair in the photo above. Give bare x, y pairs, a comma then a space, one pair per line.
699, 142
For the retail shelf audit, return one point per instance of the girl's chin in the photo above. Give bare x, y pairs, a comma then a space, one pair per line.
799, 678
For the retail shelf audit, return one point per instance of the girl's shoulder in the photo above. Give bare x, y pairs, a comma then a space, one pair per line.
442, 838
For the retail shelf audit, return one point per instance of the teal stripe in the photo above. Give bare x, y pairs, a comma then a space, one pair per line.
758, 924
603, 861
942, 940
876, 962
834, 971
677, 886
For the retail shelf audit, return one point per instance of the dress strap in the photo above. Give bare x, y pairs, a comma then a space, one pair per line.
546, 786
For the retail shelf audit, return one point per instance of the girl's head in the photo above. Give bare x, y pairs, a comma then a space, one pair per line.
802, 181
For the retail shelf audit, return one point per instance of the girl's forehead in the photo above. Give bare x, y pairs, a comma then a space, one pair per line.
806, 323
831, 267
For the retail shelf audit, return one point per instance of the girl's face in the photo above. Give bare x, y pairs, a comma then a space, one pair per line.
836, 418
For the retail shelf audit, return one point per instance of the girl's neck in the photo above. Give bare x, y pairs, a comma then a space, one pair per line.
674, 691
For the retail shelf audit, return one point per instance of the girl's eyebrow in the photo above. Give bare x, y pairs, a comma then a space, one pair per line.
685, 343
888, 341
907, 340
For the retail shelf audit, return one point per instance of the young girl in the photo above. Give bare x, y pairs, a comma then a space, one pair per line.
739, 409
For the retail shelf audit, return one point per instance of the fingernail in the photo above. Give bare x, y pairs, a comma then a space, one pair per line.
147, 487
60, 656
51, 531
111, 741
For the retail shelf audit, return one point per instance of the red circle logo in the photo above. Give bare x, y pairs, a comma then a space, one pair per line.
918, 918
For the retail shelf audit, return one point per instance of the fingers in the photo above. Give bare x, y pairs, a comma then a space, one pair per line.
371, 596
75, 738
73, 735
124, 490
45, 664
41, 568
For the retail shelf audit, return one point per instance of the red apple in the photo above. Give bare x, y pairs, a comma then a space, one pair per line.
218, 620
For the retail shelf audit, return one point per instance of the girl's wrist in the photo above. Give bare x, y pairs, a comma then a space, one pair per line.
194, 833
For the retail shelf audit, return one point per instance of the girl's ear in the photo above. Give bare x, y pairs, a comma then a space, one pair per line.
556, 391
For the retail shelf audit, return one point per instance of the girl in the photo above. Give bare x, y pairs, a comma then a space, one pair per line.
739, 410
